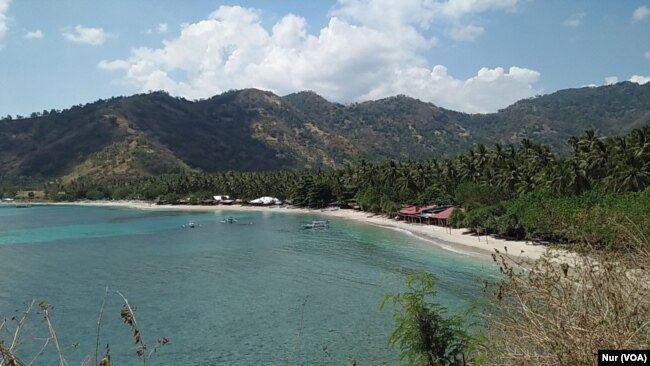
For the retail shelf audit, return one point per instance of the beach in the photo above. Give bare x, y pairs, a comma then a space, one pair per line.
455, 240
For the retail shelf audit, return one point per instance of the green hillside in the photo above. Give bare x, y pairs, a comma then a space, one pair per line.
253, 130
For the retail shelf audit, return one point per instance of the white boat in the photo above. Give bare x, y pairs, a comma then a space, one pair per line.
229, 220
190, 225
317, 225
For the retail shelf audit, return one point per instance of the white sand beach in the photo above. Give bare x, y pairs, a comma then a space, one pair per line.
450, 239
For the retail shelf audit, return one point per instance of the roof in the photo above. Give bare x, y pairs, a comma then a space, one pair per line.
427, 208
410, 210
443, 214
413, 210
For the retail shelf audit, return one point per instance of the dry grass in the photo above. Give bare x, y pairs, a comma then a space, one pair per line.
562, 313
8, 349
7, 353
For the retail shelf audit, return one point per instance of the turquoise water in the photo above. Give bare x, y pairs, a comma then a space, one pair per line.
223, 294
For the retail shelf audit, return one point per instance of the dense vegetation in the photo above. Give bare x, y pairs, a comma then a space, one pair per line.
523, 192
253, 130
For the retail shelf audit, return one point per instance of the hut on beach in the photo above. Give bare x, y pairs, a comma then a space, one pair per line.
407, 213
442, 218
432, 215
414, 214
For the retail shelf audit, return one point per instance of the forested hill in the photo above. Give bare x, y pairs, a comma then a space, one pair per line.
250, 130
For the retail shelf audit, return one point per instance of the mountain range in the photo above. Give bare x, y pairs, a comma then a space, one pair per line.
250, 129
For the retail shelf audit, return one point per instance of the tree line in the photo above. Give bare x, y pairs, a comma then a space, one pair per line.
523, 192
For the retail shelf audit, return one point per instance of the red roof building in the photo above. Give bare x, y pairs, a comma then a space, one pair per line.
429, 214
444, 215
410, 210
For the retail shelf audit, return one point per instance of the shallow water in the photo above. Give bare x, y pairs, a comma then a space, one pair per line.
224, 294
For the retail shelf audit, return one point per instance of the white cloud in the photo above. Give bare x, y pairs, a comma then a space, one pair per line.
640, 79
574, 20
4, 6
458, 8
489, 90
407, 15
37, 34
641, 13
465, 32
647, 55
113, 65
290, 31
385, 13
344, 61
87, 35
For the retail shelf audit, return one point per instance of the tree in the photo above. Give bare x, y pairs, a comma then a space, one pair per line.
472, 193
95, 194
426, 335
433, 194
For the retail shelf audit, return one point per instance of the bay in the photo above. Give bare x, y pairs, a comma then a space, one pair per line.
262, 291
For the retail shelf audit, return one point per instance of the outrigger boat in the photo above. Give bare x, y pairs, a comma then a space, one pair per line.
317, 225
229, 220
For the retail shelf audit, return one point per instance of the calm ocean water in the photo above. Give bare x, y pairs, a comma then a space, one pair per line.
224, 294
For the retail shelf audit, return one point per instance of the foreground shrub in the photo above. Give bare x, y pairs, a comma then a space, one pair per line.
425, 333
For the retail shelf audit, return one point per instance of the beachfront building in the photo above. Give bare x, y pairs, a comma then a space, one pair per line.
441, 218
414, 214
431, 215
407, 213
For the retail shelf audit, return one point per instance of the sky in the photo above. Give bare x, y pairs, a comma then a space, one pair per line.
475, 56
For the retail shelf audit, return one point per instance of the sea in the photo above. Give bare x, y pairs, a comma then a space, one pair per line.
259, 291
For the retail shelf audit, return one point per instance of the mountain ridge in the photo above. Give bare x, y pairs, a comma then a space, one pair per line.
251, 129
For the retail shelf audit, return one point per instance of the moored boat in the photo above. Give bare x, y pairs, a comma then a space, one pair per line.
317, 225
229, 220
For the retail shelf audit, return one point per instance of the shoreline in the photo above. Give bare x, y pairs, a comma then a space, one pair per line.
453, 240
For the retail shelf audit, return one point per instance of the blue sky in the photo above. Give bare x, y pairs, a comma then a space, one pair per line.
467, 55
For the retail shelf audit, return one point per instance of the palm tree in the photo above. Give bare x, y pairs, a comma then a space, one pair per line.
508, 179
579, 181
629, 174
468, 171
